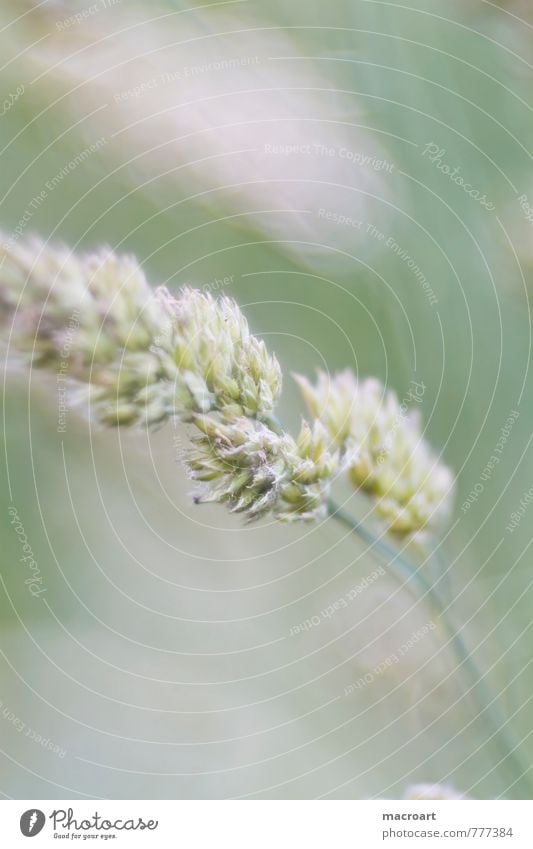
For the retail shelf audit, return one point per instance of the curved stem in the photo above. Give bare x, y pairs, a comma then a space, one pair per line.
485, 703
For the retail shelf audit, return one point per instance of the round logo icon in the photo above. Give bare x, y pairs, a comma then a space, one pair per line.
32, 822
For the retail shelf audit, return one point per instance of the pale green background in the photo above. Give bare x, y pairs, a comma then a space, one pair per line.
162, 663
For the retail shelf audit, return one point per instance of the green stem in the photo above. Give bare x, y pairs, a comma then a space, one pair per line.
485, 703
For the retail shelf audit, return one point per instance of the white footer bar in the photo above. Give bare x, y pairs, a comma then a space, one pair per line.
268, 824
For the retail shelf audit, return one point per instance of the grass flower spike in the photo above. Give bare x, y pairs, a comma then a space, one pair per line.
256, 470
383, 449
93, 317
223, 365
140, 356
143, 355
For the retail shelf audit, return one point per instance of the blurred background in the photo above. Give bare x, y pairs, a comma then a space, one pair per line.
357, 175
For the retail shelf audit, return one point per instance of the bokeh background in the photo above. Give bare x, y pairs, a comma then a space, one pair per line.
275, 152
